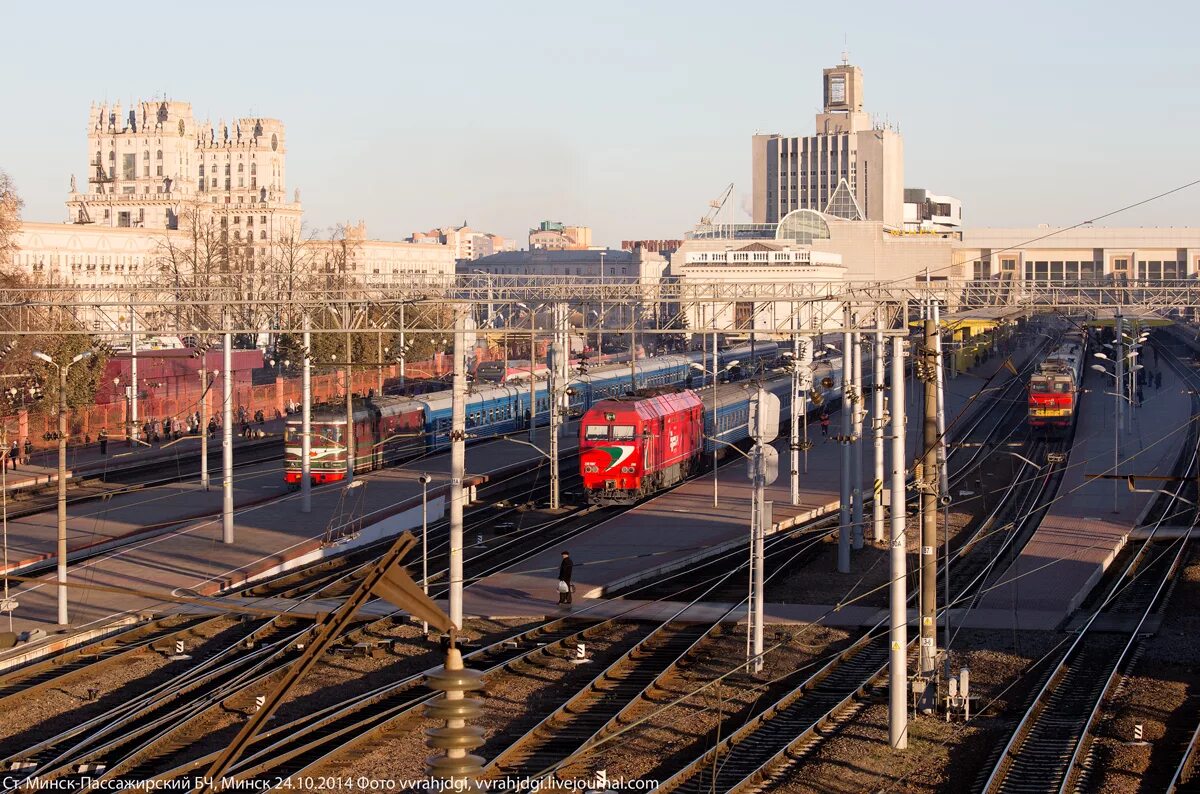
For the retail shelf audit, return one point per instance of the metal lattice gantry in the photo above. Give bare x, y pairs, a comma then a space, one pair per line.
644, 306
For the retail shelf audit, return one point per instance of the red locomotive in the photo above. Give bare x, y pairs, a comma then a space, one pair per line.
1055, 388
632, 447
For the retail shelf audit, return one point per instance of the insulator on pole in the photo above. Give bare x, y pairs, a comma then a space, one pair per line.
456, 738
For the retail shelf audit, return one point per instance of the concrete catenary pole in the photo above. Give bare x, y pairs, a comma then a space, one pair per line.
844, 514
877, 420
898, 584
227, 439
930, 487
306, 424
758, 524
856, 463
133, 377
204, 387
458, 449
554, 387
351, 450
532, 378
794, 424
943, 480
62, 493
715, 431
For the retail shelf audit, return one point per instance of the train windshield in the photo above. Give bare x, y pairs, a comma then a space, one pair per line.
327, 433
1050, 387
595, 432
622, 432
294, 434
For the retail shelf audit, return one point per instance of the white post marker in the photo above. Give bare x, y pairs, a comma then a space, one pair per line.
763, 470
227, 442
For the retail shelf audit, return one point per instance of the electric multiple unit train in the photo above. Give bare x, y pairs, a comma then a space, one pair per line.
1054, 389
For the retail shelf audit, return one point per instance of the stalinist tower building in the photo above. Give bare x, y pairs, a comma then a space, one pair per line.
152, 164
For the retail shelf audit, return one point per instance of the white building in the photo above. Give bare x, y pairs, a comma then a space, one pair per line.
927, 212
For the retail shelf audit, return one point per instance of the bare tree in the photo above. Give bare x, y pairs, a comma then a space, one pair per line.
10, 218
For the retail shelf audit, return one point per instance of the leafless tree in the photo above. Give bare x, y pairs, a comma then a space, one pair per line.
10, 218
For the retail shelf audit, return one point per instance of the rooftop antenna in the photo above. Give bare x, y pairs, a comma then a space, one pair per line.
845, 50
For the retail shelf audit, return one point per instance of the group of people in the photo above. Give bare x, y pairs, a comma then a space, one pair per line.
14, 453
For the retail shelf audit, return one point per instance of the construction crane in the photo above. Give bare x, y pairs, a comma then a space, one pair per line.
715, 206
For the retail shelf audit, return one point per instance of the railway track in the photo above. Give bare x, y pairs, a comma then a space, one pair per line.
1050, 749
794, 725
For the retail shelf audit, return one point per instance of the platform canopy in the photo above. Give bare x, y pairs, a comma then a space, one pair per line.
978, 320
1130, 315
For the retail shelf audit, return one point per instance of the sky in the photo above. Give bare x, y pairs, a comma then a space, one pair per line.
626, 116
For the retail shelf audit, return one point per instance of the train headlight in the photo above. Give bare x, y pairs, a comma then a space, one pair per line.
628, 469
591, 468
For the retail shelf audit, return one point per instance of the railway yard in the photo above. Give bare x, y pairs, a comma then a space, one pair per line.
1067, 598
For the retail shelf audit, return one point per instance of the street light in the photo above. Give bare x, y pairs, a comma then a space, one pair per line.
62, 474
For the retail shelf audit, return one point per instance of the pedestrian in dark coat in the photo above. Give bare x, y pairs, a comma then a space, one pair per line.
14, 453
28, 449
103, 441
564, 579
825, 424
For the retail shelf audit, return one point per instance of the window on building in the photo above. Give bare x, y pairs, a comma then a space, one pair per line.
129, 166
237, 219
160, 171
241, 167
158, 155
262, 234
743, 315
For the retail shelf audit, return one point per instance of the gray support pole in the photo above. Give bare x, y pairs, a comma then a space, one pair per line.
939, 362
227, 441
379, 362
532, 380
458, 448
898, 585
306, 425
133, 375
204, 387
844, 514
877, 421
62, 493
716, 430
856, 464
943, 481
351, 449
929, 504
403, 348
554, 387
1119, 352
794, 425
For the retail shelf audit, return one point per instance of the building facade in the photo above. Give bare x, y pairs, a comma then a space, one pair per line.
555, 236
160, 185
466, 243
926, 212
850, 167
1130, 254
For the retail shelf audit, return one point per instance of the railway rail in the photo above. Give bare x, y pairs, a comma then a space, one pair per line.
1050, 747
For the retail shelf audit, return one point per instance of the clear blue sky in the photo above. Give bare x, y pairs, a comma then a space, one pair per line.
626, 116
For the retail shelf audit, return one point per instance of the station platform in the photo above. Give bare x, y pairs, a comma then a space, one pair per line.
1082, 533
679, 528
270, 536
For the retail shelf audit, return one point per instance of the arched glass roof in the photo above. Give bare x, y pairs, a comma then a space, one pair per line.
802, 226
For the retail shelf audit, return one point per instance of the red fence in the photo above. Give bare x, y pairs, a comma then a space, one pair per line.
271, 398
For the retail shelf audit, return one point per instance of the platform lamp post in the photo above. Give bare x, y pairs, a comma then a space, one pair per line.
62, 370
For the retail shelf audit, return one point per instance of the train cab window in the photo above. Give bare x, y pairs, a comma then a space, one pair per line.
595, 432
331, 433
294, 434
622, 432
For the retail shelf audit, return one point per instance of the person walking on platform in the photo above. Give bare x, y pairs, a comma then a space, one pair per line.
103, 442
564, 579
28, 449
14, 453
825, 425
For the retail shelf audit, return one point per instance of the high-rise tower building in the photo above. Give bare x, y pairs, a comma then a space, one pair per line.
851, 167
